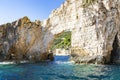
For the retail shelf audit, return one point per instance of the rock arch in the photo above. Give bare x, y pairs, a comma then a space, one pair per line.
93, 28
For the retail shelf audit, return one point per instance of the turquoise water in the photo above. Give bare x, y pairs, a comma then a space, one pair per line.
60, 69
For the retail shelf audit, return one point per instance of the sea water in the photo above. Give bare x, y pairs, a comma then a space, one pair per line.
60, 69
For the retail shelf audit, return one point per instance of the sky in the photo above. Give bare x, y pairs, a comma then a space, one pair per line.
11, 10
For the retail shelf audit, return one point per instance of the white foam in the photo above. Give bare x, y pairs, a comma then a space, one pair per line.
7, 62
12, 62
24, 61
64, 62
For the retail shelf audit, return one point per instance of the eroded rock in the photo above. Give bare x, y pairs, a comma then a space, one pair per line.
96, 31
22, 40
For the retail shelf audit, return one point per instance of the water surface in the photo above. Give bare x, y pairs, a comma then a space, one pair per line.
60, 69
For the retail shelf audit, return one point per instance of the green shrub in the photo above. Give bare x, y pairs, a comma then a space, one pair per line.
62, 41
87, 3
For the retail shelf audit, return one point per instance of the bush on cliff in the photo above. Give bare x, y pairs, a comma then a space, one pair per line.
87, 3
62, 41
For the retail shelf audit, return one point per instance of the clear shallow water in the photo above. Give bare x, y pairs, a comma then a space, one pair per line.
60, 69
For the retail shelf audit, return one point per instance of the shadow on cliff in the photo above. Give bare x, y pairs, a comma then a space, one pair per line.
115, 53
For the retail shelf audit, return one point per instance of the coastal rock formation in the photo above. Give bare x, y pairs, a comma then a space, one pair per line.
96, 35
95, 26
95, 29
22, 40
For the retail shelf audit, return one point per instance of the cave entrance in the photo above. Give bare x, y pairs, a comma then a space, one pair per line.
115, 52
61, 43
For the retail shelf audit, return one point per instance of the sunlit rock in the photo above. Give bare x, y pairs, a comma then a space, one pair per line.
22, 40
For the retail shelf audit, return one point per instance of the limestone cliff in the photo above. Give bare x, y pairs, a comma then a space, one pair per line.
95, 29
96, 35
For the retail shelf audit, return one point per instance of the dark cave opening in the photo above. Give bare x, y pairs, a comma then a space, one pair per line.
114, 53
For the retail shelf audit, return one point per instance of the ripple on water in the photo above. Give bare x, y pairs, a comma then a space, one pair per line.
59, 70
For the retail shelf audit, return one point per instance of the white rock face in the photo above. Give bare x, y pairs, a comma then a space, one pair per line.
63, 18
93, 39
95, 29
